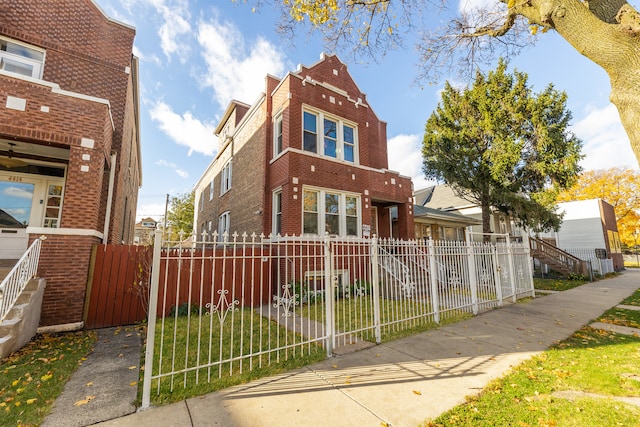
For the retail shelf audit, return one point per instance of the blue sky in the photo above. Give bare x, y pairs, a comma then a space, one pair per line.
196, 56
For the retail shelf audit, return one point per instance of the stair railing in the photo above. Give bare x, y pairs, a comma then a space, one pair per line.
17, 279
545, 251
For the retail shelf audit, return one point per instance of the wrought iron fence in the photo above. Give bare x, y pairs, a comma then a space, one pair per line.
223, 308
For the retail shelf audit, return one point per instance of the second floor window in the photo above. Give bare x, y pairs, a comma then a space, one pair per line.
21, 59
225, 178
277, 135
211, 190
329, 136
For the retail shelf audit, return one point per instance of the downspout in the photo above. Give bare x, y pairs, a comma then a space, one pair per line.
107, 217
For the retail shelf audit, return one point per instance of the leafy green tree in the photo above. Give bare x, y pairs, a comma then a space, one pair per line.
502, 147
180, 215
606, 32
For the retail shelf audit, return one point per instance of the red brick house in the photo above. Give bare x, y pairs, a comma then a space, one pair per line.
308, 157
70, 165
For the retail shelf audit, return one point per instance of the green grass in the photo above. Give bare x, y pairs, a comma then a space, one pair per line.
556, 284
357, 314
33, 377
232, 341
590, 361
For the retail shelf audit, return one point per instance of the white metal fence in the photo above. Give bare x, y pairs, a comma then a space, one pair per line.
599, 265
14, 283
224, 309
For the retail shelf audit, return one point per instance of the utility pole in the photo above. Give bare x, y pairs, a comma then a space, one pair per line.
166, 209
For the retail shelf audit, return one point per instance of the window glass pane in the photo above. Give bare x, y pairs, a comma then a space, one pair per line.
310, 201
352, 226
310, 142
331, 203
348, 134
348, 153
16, 199
16, 67
332, 224
330, 128
24, 51
330, 147
278, 130
310, 223
351, 208
310, 133
310, 122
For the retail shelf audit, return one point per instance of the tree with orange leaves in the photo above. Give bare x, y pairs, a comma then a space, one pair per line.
619, 187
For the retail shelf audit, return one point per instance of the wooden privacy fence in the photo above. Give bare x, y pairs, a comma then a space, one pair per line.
118, 289
118, 278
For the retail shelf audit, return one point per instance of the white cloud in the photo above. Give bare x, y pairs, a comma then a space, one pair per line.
185, 129
16, 212
175, 29
150, 210
466, 6
235, 71
18, 192
181, 172
405, 156
606, 143
146, 58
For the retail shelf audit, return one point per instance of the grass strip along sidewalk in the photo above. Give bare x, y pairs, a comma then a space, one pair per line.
590, 379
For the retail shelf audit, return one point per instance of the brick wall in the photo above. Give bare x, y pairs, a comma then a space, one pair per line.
88, 54
64, 262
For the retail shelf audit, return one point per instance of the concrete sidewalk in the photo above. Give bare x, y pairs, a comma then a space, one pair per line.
404, 382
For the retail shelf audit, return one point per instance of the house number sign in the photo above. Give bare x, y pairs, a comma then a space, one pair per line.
15, 179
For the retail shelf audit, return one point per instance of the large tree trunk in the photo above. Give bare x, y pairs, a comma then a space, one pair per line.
608, 33
486, 220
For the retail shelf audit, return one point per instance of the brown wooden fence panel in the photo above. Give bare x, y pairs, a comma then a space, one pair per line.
113, 298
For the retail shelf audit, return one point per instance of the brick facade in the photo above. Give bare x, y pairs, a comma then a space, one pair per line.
246, 137
82, 111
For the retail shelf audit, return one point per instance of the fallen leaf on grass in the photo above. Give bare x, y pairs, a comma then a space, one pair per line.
46, 377
31, 401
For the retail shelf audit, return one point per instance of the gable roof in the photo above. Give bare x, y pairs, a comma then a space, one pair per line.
441, 197
424, 212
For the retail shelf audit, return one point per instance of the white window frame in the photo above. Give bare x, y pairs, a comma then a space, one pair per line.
224, 222
211, 190
340, 143
277, 214
225, 177
36, 65
321, 210
277, 133
202, 201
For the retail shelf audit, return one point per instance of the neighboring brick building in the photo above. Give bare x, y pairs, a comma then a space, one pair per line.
70, 165
308, 157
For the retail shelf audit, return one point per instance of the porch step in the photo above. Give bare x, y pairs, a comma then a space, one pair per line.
21, 323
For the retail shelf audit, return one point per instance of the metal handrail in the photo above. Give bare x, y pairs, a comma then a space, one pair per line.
17, 279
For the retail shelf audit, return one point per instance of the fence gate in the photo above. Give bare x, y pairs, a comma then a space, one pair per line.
117, 288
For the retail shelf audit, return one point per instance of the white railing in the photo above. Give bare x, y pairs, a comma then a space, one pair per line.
14, 283
222, 309
600, 266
